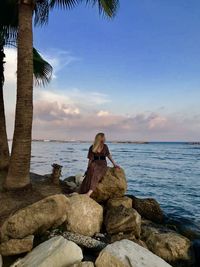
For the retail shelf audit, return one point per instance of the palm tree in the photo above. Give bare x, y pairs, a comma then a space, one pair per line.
42, 71
19, 168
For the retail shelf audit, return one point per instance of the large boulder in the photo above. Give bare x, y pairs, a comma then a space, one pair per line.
38, 217
85, 216
16, 246
167, 244
56, 252
119, 201
148, 208
112, 185
126, 253
121, 219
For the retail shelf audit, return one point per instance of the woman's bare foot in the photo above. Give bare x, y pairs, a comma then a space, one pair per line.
89, 193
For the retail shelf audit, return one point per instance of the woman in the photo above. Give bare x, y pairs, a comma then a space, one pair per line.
97, 164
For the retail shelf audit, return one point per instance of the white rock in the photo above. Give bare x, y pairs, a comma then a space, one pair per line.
126, 253
56, 252
85, 216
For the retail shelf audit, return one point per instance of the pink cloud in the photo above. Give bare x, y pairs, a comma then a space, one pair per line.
69, 121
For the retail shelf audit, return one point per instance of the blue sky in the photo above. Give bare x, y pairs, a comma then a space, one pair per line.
144, 66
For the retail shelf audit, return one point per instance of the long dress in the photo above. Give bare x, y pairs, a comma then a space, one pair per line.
96, 170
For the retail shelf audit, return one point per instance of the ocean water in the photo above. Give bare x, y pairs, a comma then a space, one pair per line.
168, 172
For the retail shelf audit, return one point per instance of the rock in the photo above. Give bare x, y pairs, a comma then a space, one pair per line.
121, 219
79, 179
148, 208
129, 236
85, 216
167, 244
16, 246
81, 240
115, 202
56, 252
126, 253
1, 261
69, 179
112, 185
73, 182
38, 217
84, 264
71, 185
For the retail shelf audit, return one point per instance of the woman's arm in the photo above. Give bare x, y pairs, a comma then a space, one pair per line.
113, 162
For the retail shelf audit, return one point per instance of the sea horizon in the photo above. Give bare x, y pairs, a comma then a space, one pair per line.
194, 142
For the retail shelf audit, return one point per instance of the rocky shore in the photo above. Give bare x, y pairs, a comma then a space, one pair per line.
110, 229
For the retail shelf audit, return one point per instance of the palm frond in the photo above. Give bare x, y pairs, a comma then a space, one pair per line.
65, 4
8, 20
42, 70
41, 12
106, 7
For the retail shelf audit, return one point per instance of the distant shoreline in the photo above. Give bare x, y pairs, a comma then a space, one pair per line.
117, 142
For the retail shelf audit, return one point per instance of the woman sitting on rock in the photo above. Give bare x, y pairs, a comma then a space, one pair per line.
97, 164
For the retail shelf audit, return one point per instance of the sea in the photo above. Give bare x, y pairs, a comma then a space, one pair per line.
166, 171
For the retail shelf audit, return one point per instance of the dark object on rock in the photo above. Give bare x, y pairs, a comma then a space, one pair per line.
148, 208
121, 219
81, 240
56, 173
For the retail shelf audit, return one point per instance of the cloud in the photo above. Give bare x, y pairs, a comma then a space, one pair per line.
78, 113
10, 66
59, 59
103, 113
66, 117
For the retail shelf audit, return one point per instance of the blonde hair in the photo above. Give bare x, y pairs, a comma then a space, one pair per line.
97, 142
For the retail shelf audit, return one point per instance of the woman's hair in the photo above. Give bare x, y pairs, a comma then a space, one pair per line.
97, 142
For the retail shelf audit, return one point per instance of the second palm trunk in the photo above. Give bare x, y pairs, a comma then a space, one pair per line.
19, 168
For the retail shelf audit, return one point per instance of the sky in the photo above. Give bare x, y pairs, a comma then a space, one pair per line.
134, 77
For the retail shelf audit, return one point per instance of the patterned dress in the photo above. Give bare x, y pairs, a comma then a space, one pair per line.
96, 170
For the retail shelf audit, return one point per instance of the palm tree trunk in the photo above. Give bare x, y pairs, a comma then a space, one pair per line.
18, 174
4, 150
